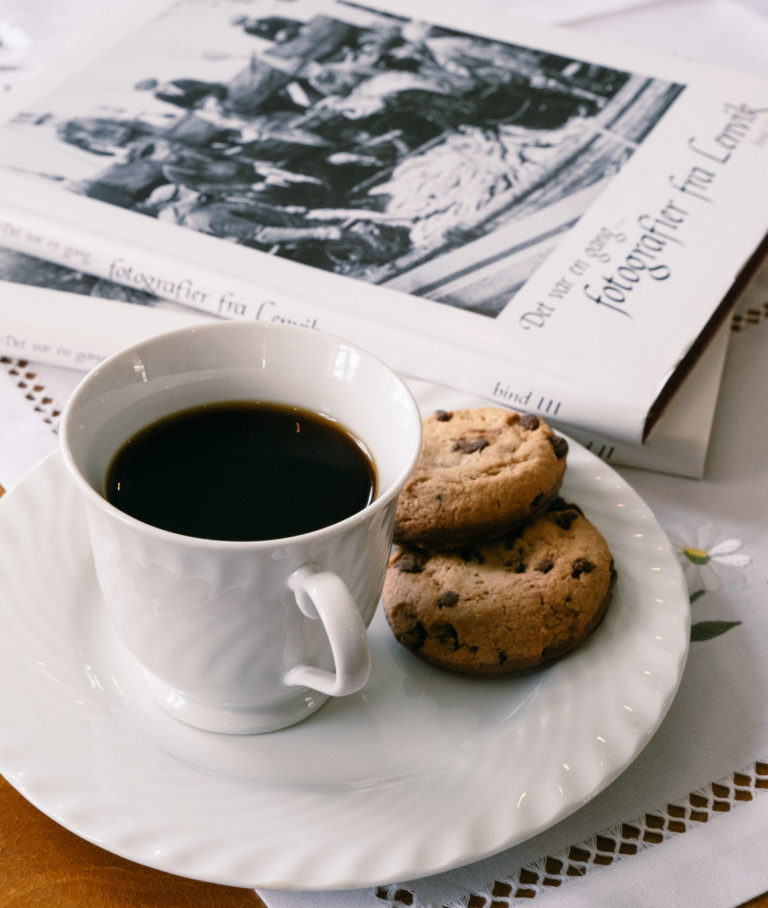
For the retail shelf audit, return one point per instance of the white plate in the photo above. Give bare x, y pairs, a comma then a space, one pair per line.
421, 772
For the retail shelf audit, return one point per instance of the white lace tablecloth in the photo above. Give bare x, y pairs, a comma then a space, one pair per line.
687, 823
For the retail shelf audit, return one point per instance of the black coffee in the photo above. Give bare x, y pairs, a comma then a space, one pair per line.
241, 470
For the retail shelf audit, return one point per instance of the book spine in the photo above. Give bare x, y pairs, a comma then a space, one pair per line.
192, 286
488, 371
74, 331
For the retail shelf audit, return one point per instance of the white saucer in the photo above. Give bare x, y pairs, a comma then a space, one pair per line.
421, 772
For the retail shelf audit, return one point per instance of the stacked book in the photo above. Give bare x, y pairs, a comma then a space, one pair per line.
543, 220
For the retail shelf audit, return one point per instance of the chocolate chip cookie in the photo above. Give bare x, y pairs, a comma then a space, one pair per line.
507, 605
481, 472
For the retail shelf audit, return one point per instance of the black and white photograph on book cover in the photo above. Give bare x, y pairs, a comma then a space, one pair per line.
403, 153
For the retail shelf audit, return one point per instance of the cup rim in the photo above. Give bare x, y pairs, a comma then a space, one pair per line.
97, 500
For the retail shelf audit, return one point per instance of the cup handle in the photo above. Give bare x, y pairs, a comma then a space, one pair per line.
324, 595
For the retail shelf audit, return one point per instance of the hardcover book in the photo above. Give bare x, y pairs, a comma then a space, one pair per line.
550, 222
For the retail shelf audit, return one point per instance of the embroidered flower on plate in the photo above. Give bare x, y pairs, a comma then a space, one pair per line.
709, 563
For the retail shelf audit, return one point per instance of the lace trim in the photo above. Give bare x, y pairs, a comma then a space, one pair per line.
603, 849
753, 305
749, 317
34, 392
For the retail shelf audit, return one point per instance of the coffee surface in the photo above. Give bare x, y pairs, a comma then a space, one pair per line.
241, 470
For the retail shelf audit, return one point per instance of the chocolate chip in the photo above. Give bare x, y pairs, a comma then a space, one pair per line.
545, 566
560, 504
447, 599
413, 638
470, 445
446, 636
529, 421
443, 415
409, 564
537, 500
581, 566
560, 446
564, 519
468, 554
502, 657
516, 564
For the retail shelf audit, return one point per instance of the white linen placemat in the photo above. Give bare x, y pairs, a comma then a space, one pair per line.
713, 865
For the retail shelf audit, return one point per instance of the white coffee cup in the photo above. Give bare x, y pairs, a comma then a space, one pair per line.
242, 637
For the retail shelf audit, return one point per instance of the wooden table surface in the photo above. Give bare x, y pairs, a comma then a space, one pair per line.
43, 865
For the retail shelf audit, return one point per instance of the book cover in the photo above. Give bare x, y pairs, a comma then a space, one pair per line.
530, 215
80, 319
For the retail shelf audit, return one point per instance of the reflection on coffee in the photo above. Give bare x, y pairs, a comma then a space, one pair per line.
242, 470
